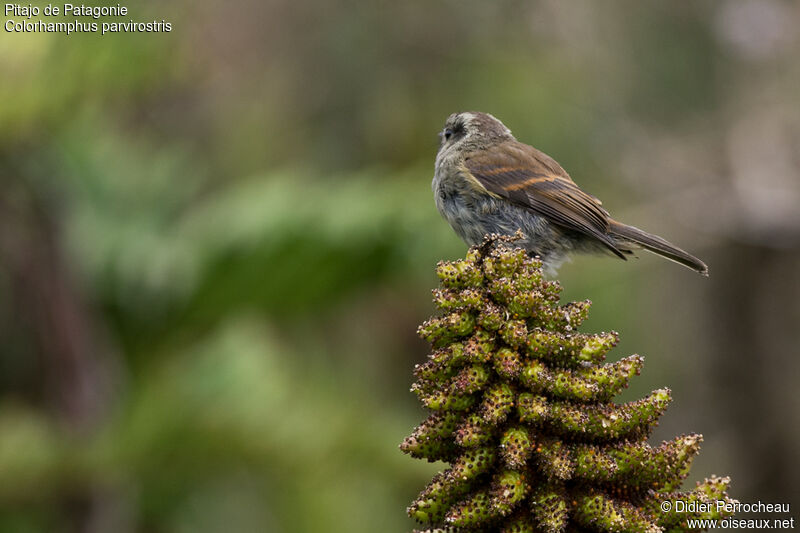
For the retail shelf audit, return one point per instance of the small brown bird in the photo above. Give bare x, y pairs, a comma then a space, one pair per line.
488, 182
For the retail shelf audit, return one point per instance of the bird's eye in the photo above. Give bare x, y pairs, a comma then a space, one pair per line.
448, 133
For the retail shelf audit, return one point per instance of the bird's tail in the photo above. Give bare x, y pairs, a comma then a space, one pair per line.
656, 245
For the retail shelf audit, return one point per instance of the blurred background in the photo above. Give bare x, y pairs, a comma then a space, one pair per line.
216, 244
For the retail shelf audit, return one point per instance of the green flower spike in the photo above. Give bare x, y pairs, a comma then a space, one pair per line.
521, 409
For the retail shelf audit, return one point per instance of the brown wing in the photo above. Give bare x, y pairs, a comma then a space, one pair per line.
532, 179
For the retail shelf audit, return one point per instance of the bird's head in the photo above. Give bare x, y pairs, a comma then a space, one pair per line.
471, 130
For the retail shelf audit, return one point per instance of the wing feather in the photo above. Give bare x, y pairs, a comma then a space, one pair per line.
531, 179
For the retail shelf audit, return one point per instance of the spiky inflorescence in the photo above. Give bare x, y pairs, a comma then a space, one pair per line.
522, 411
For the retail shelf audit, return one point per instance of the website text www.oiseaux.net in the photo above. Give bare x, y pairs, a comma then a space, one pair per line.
732, 522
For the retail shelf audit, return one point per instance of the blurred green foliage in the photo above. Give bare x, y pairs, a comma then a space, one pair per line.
245, 219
